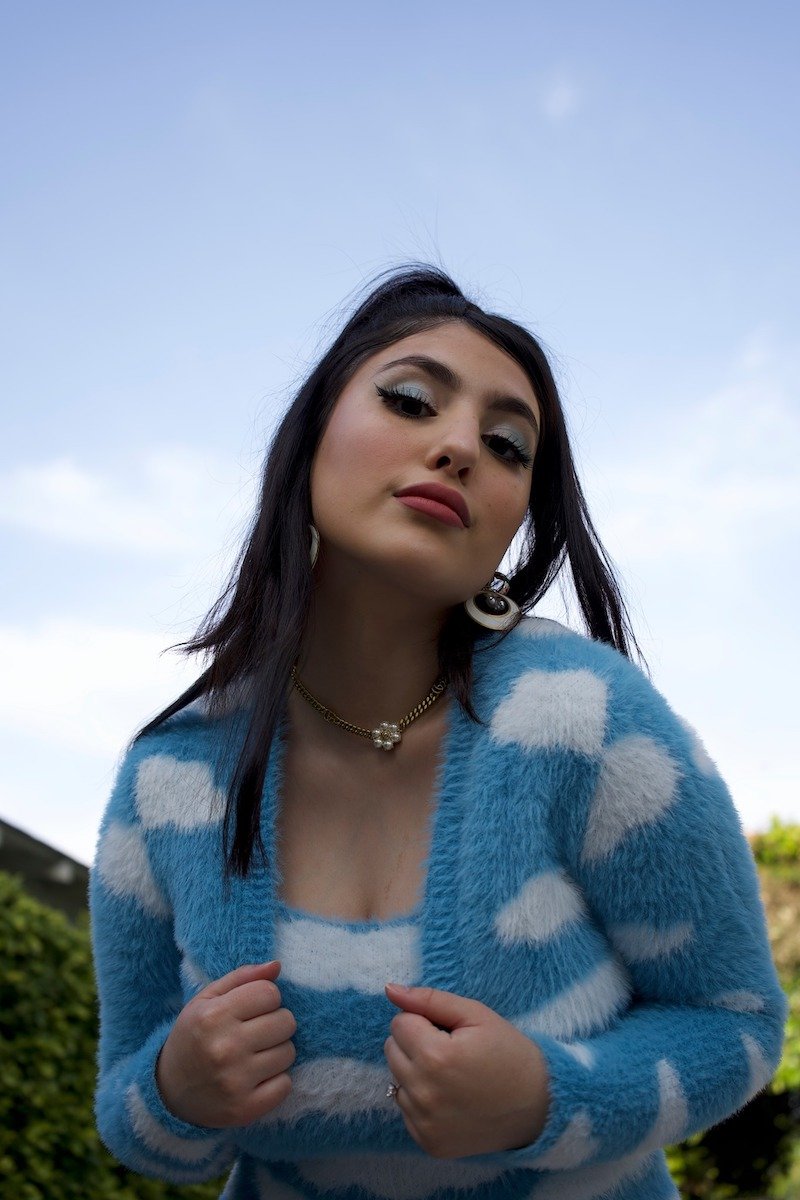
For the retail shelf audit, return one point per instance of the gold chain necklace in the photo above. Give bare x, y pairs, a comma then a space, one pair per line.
386, 735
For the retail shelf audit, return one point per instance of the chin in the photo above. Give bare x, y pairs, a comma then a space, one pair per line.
425, 575
410, 563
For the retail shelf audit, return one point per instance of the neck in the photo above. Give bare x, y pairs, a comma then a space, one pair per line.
369, 652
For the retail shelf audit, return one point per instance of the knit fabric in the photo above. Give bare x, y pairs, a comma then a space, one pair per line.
320, 955
588, 879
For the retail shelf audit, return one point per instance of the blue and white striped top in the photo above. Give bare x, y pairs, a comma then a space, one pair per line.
356, 958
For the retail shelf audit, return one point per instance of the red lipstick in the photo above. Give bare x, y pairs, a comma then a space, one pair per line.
439, 501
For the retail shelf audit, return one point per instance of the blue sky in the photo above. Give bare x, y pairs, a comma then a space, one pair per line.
193, 193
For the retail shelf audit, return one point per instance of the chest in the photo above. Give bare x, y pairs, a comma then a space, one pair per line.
468, 831
353, 838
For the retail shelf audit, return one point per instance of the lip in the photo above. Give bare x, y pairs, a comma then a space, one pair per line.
442, 495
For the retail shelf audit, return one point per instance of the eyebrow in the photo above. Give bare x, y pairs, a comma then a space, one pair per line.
446, 375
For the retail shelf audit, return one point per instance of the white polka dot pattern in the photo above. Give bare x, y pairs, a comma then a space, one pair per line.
700, 756
636, 786
673, 1111
543, 627
172, 792
584, 1054
124, 868
740, 1001
540, 910
579, 1010
760, 1070
573, 1148
643, 942
550, 710
192, 978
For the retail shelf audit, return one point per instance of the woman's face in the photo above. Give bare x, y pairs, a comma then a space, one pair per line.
455, 433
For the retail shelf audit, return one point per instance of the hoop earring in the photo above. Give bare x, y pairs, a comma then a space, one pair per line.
492, 607
314, 545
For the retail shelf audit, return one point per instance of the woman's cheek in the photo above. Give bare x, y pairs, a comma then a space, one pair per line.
507, 511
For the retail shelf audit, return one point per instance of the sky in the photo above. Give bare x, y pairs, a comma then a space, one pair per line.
194, 193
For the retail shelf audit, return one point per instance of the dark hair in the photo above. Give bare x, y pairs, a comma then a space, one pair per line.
256, 635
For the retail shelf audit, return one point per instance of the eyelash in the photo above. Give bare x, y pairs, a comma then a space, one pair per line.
391, 397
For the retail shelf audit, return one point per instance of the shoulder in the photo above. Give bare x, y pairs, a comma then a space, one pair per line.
176, 773
539, 644
576, 717
552, 686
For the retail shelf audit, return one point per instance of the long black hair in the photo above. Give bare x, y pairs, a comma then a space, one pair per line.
253, 632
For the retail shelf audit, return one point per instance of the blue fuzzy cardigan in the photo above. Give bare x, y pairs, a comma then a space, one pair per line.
588, 879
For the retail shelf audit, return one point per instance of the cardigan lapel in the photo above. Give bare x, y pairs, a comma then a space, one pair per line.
442, 913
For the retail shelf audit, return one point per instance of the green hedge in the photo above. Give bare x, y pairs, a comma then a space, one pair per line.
756, 1152
50, 1149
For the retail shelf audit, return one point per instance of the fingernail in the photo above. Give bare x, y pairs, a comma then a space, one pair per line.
398, 987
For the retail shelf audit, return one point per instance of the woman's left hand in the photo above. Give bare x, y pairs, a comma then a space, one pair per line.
477, 1087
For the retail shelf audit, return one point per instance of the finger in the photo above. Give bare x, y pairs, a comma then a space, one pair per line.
405, 1102
267, 1095
412, 1032
269, 1063
445, 1010
264, 1032
398, 1062
243, 974
411, 1114
403, 1075
254, 999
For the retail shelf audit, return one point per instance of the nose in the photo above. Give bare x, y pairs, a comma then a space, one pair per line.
455, 442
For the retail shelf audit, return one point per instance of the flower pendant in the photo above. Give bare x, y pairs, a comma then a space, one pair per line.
386, 735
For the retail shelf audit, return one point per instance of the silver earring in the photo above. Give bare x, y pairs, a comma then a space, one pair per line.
314, 545
492, 608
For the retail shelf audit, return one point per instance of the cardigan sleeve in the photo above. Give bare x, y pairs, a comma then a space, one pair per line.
658, 853
136, 966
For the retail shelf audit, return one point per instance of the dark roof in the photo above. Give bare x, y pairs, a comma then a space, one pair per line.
48, 874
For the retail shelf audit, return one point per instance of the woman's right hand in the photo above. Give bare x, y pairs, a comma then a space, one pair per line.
227, 1056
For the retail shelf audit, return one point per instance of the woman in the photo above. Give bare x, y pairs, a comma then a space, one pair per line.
497, 812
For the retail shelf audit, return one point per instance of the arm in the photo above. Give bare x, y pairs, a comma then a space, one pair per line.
139, 992
658, 853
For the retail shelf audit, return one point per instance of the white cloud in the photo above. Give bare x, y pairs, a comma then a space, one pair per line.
173, 503
75, 693
86, 687
713, 479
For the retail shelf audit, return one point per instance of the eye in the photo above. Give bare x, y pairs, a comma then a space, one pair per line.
394, 397
410, 405
520, 454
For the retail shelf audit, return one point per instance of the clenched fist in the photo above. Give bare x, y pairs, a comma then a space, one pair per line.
227, 1056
